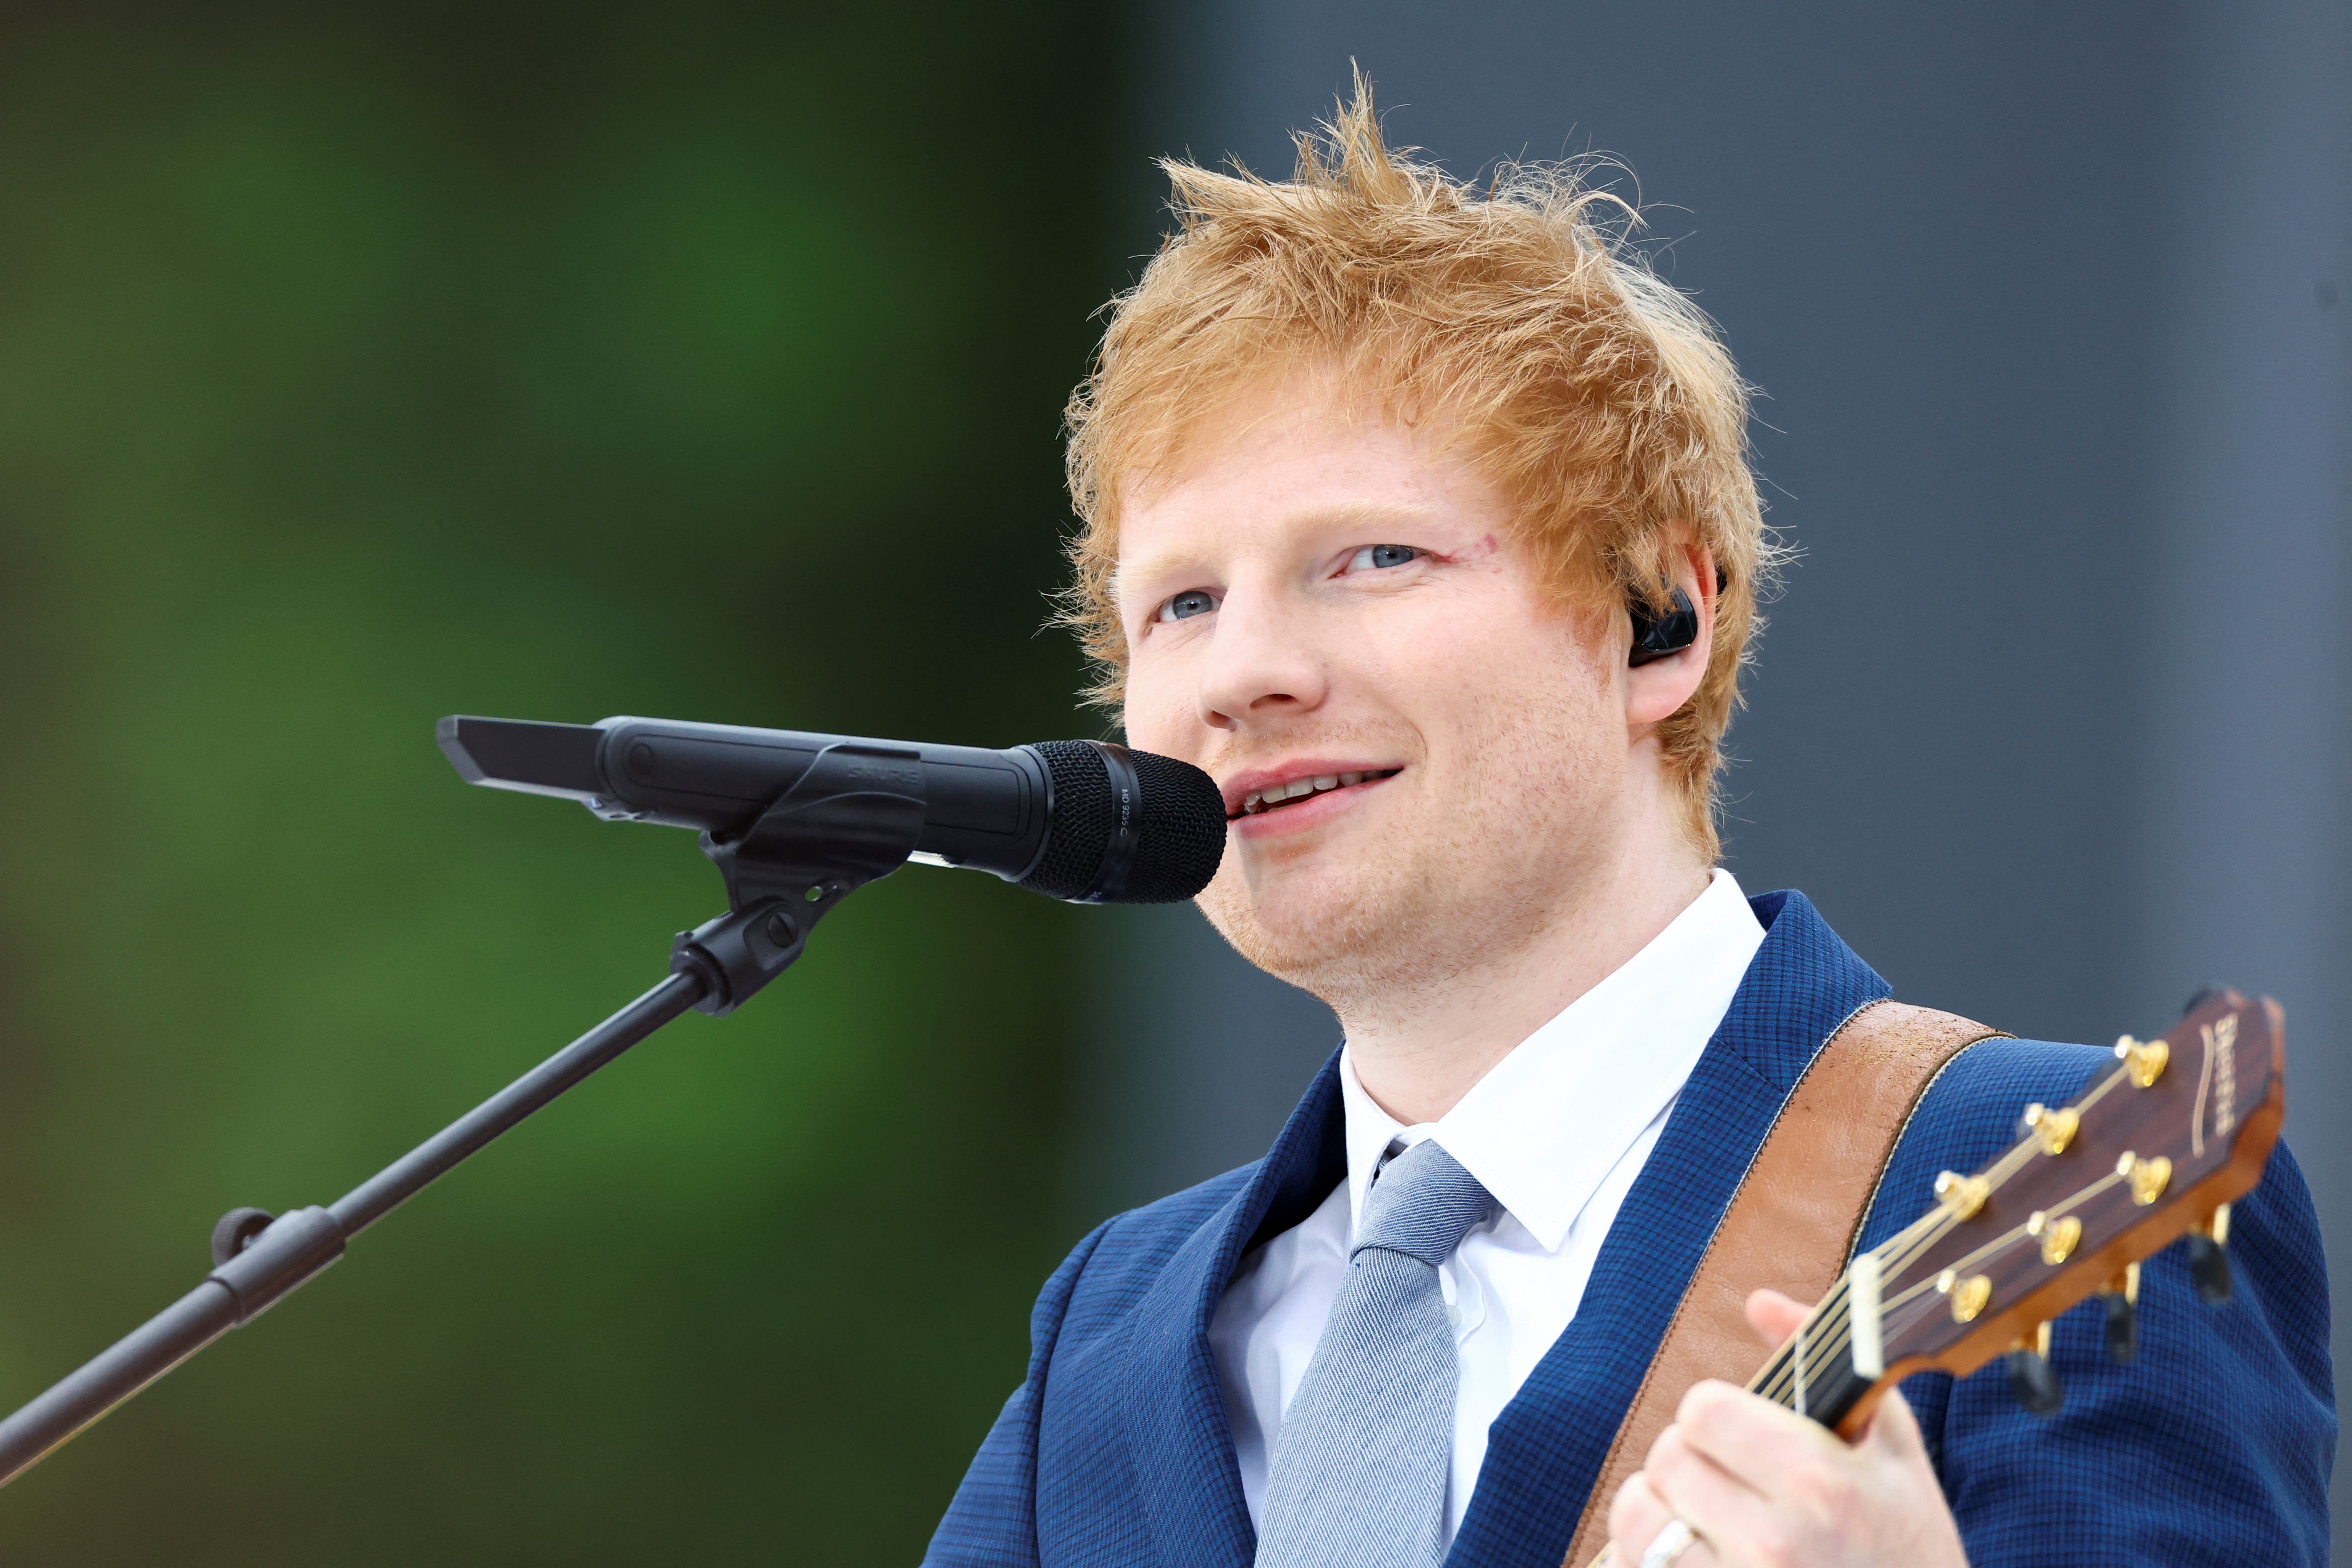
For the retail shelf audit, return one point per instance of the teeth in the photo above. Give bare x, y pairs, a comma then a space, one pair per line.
1274, 794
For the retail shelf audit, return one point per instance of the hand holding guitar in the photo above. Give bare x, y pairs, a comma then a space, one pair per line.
1762, 1487
1819, 1460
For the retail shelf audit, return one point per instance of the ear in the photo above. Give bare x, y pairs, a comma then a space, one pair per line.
1656, 690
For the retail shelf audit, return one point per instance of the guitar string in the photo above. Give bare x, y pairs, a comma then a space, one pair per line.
1777, 1378
1895, 1254
1827, 1331
1824, 1335
1835, 1311
2000, 1174
1772, 1380
2007, 1237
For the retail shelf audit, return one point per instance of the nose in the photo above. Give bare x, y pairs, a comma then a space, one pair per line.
1262, 667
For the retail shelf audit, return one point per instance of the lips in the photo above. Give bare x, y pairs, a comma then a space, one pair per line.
1259, 793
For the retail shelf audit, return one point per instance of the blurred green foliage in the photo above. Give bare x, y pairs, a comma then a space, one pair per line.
692, 360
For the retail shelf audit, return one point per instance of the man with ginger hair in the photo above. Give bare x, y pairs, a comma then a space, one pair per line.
1419, 515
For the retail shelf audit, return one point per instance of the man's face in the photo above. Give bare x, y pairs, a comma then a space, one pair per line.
1319, 598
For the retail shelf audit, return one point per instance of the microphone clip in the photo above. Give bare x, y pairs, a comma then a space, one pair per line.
856, 815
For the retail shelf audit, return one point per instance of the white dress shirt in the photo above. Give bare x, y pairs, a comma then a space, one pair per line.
1557, 1130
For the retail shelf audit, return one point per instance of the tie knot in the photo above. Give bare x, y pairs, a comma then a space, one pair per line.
1421, 1204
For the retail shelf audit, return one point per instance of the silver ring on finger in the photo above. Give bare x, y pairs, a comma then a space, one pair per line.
1669, 1545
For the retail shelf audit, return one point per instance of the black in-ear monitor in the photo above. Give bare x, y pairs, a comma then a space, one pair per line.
1656, 636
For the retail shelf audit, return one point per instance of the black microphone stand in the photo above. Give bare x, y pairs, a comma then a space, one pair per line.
854, 815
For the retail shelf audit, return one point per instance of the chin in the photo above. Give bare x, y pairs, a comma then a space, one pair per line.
1326, 930
1356, 923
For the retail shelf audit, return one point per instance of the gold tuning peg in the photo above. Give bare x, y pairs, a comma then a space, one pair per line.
2055, 1128
1969, 1293
2058, 1236
2146, 1178
2143, 1059
1963, 1195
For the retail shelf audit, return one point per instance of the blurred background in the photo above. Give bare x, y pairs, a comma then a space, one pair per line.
361, 365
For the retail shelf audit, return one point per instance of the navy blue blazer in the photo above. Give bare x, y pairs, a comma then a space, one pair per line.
2214, 1446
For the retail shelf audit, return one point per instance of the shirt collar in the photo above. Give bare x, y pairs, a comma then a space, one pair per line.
1548, 1122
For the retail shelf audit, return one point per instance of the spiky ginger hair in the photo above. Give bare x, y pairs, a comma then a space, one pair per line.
1520, 319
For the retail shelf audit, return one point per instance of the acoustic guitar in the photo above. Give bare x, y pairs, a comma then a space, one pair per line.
2150, 1155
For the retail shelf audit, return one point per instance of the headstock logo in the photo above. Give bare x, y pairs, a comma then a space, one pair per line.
2218, 1084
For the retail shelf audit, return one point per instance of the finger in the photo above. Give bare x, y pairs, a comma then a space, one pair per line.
1635, 1517
1774, 1316
1750, 1438
1716, 1505
1896, 1430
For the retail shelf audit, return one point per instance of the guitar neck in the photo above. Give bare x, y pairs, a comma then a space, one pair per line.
1837, 1357
1814, 1374
2155, 1150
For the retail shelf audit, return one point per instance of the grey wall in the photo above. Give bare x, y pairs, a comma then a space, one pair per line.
2046, 303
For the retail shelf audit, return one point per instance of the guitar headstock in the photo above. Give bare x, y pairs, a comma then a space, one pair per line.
2155, 1150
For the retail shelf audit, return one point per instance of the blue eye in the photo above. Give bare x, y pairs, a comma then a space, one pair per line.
1377, 557
1183, 606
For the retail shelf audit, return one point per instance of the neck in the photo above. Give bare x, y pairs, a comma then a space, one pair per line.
1418, 1050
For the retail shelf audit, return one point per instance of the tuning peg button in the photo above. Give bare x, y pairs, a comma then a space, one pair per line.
2209, 1268
2122, 1337
2035, 1385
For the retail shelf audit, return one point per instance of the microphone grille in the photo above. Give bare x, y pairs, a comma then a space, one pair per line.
1179, 830
1183, 831
1080, 828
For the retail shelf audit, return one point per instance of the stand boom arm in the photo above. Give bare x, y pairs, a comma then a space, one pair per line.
298, 1245
854, 812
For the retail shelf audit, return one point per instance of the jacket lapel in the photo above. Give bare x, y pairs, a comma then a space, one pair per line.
1178, 1435
1546, 1448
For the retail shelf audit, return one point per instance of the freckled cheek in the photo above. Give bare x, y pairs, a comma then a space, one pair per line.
1440, 657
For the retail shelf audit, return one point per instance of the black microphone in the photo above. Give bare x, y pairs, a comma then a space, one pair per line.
794, 822
1081, 820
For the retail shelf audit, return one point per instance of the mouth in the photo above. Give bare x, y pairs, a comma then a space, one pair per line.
1283, 794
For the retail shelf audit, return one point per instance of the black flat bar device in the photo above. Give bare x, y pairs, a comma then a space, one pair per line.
983, 808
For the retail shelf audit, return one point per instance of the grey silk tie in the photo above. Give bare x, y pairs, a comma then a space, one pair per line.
1360, 1466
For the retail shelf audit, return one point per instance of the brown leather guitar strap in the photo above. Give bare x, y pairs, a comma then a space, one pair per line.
1793, 1221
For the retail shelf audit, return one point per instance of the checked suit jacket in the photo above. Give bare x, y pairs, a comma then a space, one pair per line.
2214, 1446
